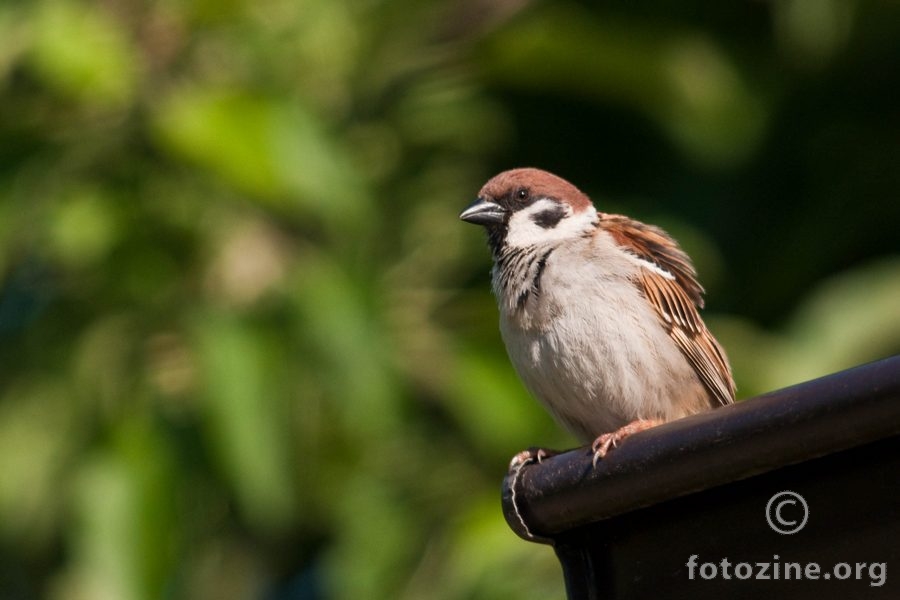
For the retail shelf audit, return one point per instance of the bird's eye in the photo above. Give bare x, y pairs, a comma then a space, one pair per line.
522, 194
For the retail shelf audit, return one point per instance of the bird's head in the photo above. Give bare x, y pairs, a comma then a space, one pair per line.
529, 207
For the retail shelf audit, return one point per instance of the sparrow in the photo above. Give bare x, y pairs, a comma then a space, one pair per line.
598, 312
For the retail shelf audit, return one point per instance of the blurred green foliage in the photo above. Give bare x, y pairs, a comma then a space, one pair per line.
248, 351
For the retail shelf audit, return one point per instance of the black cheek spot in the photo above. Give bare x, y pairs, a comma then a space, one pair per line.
549, 218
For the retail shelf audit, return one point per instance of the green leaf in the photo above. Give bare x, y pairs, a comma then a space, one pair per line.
82, 52
245, 421
123, 537
271, 149
84, 226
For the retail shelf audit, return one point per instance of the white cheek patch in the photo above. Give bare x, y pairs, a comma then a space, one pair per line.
524, 229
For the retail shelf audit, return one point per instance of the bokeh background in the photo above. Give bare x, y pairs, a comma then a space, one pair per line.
248, 351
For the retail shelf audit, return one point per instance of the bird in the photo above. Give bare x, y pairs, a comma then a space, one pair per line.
599, 312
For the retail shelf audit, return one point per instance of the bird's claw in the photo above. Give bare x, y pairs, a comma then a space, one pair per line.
529, 456
604, 443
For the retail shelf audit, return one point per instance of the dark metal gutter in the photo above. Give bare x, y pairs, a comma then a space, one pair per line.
738, 452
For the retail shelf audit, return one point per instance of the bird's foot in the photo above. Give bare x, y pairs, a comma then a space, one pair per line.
603, 444
526, 457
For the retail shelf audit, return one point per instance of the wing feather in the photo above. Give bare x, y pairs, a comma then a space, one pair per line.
669, 282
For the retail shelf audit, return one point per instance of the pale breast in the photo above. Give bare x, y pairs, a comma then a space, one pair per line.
594, 352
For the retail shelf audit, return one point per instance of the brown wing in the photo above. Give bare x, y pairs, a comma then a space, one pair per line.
676, 298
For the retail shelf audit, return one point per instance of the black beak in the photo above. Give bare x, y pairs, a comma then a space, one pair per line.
484, 212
